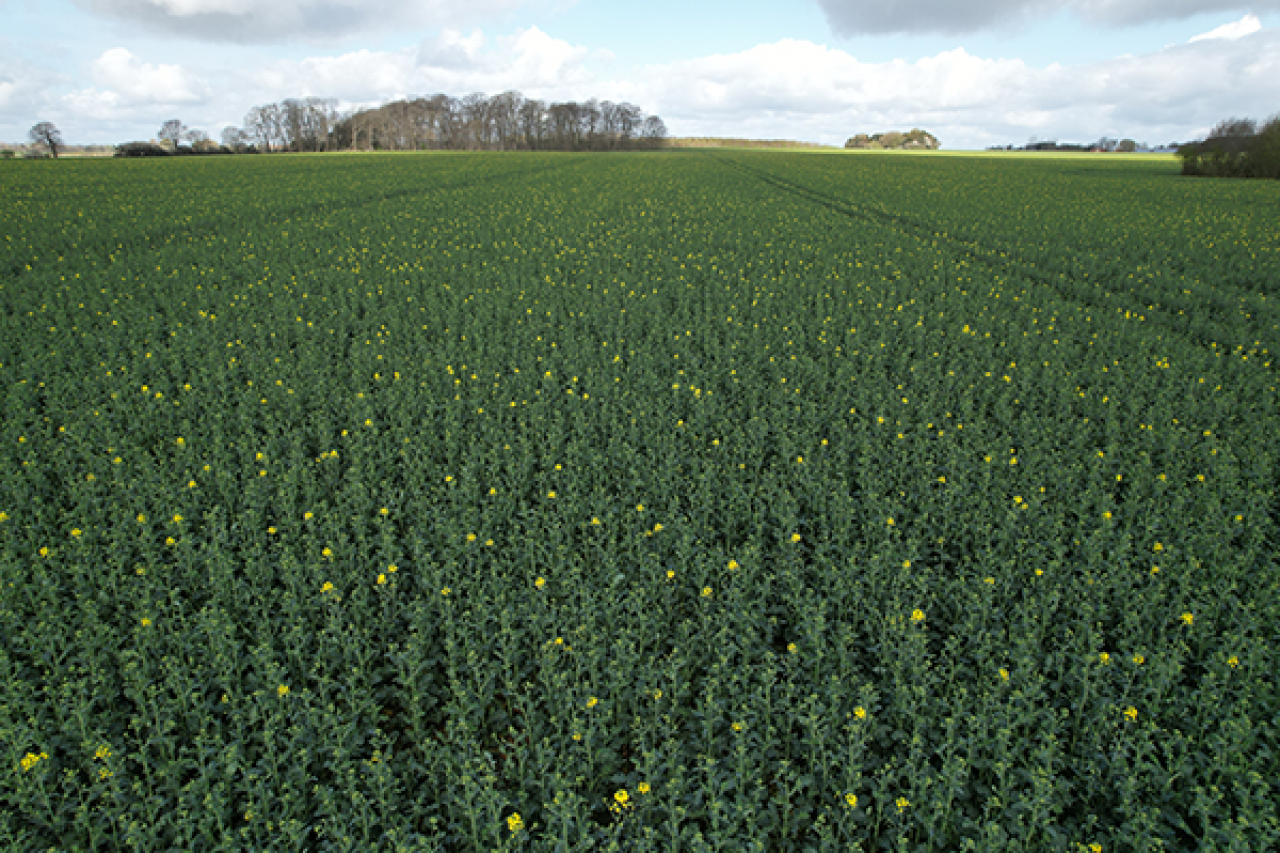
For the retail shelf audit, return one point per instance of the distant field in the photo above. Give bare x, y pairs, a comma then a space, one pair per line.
718, 500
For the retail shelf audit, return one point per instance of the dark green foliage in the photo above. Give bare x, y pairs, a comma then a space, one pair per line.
672, 501
1235, 149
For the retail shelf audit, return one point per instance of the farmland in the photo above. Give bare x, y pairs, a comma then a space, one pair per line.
716, 500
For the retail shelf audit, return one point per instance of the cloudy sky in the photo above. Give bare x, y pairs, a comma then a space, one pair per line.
974, 73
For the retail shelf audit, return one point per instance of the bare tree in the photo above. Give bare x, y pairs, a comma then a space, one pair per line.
172, 132
46, 134
235, 139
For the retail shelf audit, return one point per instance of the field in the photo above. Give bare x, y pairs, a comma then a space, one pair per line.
698, 501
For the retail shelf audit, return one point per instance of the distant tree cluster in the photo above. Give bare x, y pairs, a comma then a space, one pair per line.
1235, 148
170, 141
1105, 144
913, 140
505, 122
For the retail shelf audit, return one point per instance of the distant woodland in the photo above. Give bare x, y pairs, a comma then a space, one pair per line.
1235, 148
913, 140
505, 122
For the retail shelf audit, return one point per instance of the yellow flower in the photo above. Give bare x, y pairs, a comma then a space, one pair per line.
177, 518
890, 522
917, 615
1187, 618
392, 569
515, 823
75, 531
733, 564
307, 516
103, 753
643, 787
327, 553
540, 583
445, 591
860, 712
670, 572
1157, 547
471, 537
146, 623
622, 797
1104, 658
851, 800
706, 592
328, 587
551, 494
1095, 847
657, 528
384, 512
792, 648
1139, 660
382, 579
737, 727
44, 552
1233, 661
592, 702
1004, 674
595, 521
639, 507
282, 690
902, 803
795, 537
191, 484
31, 759
1131, 713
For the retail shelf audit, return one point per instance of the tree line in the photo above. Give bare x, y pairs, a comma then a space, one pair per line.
505, 122
893, 140
1235, 148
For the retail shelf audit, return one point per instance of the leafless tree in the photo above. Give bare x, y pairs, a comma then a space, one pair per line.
45, 134
171, 132
505, 122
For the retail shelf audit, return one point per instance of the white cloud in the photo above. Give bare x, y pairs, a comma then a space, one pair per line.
529, 60
949, 16
801, 90
136, 82
1248, 25
265, 21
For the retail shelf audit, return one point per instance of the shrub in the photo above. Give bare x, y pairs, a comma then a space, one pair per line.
140, 149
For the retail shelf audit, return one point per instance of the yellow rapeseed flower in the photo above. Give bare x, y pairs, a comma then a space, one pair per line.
917, 615
1187, 618
515, 823
851, 800
282, 690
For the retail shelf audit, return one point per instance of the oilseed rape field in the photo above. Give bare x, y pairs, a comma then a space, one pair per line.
683, 501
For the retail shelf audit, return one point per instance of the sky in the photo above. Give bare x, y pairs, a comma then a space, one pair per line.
975, 74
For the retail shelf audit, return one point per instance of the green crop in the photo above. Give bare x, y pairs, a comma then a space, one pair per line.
690, 501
